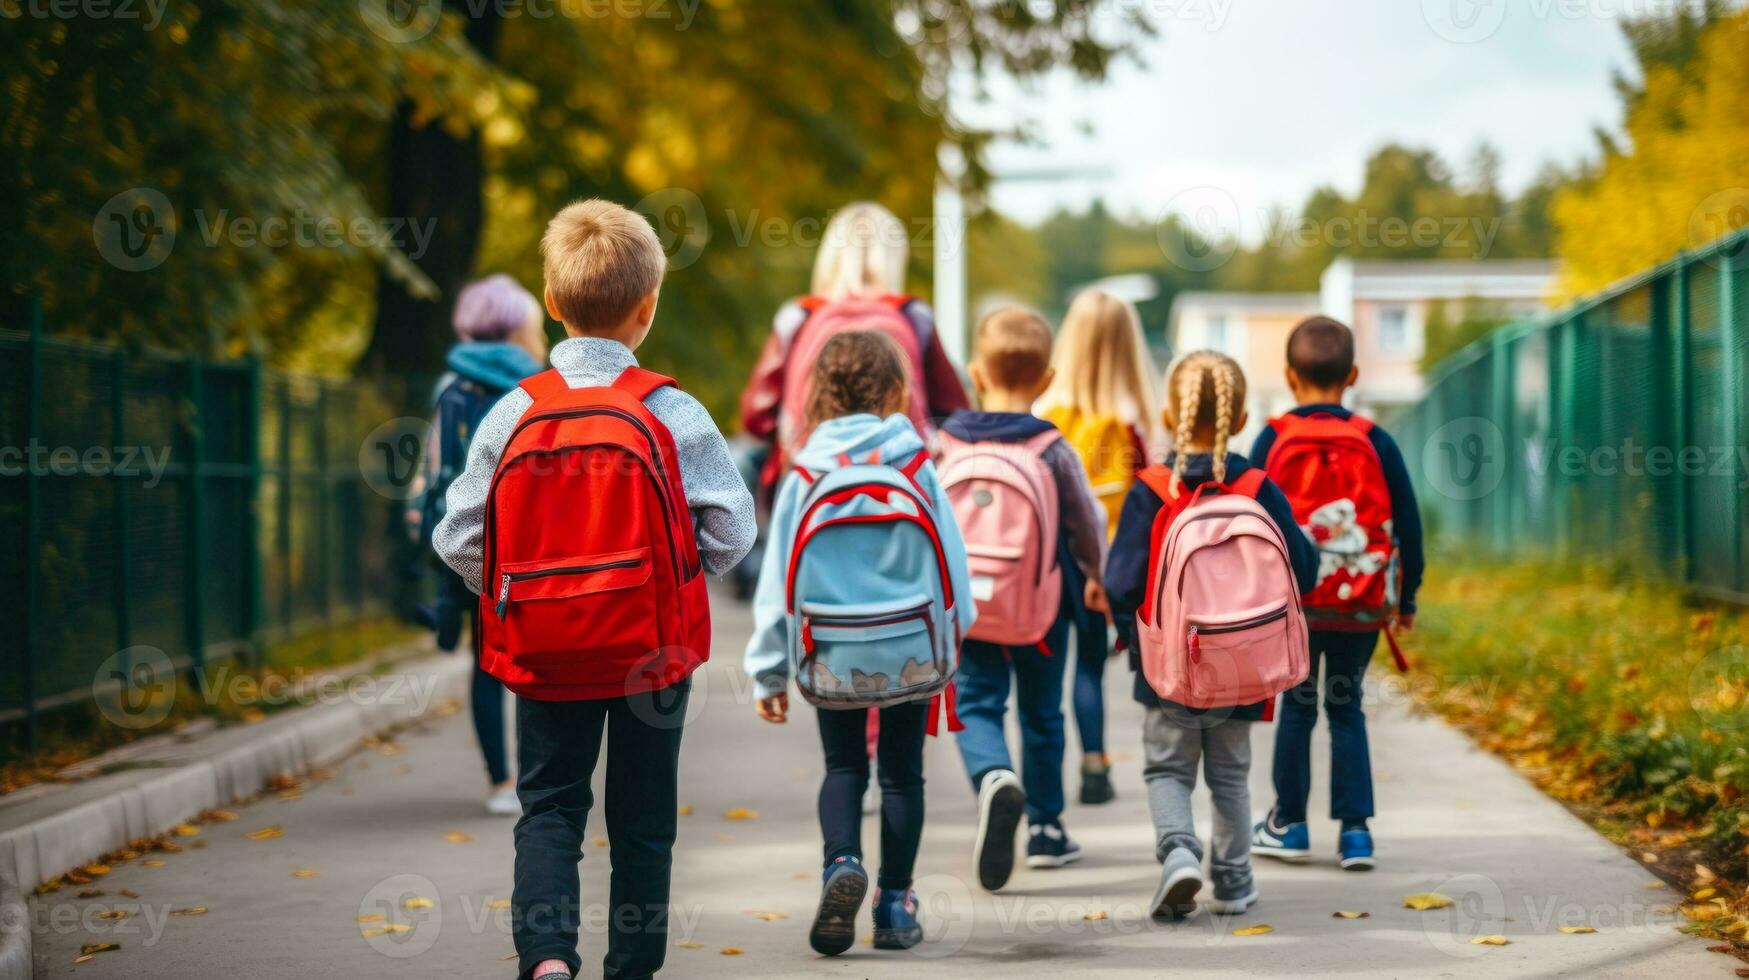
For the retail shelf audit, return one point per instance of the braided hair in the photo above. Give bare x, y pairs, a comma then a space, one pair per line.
1207, 390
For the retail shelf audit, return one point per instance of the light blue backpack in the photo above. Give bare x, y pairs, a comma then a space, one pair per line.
869, 600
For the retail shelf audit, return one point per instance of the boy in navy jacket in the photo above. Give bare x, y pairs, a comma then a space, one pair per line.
1320, 358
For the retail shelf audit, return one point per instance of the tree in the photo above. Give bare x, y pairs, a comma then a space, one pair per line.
1680, 180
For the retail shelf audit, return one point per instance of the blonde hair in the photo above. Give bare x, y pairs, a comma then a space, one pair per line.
600, 261
1102, 361
862, 253
1013, 345
1208, 389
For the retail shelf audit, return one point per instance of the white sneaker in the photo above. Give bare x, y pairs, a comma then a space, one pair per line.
1001, 803
503, 803
871, 797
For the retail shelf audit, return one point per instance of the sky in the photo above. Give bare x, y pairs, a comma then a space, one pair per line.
1256, 102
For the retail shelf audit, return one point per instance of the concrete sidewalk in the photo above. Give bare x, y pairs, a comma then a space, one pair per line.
390, 827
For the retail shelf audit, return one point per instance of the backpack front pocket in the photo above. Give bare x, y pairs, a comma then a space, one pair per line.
856, 656
1240, 659
570, 617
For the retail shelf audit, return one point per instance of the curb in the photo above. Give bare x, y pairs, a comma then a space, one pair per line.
14, 931
307, 738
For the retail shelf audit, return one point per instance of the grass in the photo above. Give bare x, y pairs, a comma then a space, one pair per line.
1627, 700
232, 694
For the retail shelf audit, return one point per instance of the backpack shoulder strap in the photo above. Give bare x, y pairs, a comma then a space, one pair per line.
1044, 440
1158, 478
639, 383
1249, 483
545, 385
1362, 423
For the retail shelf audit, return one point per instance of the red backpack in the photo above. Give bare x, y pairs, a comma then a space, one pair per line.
1330, 471
826, 319
592, 584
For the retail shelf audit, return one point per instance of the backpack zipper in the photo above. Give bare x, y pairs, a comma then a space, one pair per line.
1197, 631
509, 577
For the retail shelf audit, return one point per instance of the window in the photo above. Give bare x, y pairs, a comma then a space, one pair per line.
1215, 333
1394, 330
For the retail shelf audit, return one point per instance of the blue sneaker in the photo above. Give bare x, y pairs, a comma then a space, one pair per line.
842, 887
1290, 842
1356, 850
895, 920
1049, 846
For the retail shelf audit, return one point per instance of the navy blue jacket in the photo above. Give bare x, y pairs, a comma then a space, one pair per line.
1128, 568
1405, 513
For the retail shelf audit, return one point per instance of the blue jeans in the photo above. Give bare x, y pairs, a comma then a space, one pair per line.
486, 695
1344, 657
985, 675
1092, 648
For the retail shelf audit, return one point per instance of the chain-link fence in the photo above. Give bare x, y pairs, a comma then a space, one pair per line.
204, 509
1614, 429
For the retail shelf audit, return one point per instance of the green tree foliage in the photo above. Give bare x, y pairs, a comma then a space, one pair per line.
741, 129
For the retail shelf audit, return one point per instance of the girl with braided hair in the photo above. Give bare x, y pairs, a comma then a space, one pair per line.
1205, 407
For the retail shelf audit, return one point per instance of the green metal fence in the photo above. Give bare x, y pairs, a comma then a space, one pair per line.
201, 508
1613, 429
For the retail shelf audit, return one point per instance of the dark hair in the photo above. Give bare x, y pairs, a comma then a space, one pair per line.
857, 371
1321, 351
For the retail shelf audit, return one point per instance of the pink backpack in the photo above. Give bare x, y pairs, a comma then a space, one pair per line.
1004, 499
827, 319
1221, 624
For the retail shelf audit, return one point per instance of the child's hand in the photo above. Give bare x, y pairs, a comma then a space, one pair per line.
1405, 622
774, 709
1095, 599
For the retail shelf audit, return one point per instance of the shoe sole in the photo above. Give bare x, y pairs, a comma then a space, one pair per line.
999, 814
834, 929
1233, 906
1176, 896
1287, 854
1046, 861
1357, 863
898, 938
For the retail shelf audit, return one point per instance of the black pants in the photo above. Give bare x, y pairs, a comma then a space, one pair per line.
900, 752
557, 745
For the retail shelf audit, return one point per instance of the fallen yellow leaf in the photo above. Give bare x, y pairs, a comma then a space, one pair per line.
741, 813
151, 863
1257, 930
683, 811
1650, 857
416, 903
83, 959
498, 903
398, 927
219, 816
731, 951
690, 945
89, 948
1423, 901
1578, 930
265, 833
1096, 916
1350, 915
599, 842
1704, 894
369, 918
769, 916
96, 869
1490, 941
458, 837
306, 873
1650, 885
374, 933
187, 830
113, 915
191, 910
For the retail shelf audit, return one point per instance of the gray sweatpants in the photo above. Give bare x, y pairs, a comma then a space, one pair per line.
1175, 741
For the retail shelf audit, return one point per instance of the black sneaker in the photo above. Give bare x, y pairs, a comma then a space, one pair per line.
1096, 786
1001, 802
1050, 847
